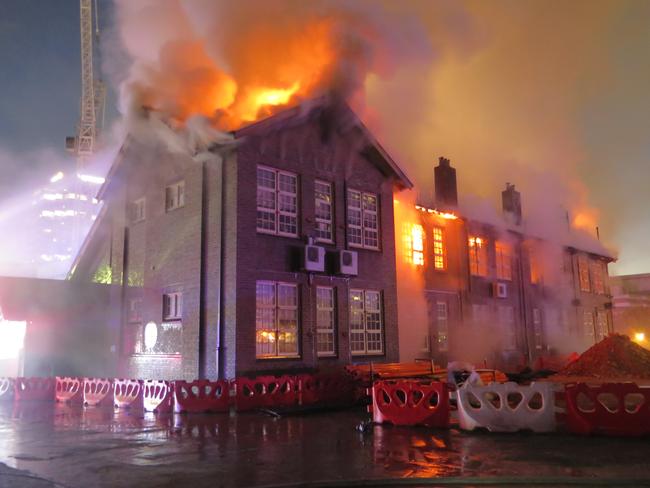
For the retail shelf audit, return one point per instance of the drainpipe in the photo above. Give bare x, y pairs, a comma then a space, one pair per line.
203, 354
522, 304
222, 277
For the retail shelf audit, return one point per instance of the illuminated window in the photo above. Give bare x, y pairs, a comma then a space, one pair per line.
478, 256
535, 271
276, 319
537, 327
439, 248
417, 244
138, 210
506, 318
583, 273
503, 260
277, 202
325, 321
597, 277
588, 324
175, 196
172, 306
366, 326
323, 200
363, 220
442, 325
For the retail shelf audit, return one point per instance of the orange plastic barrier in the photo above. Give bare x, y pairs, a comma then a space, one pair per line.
158, 396
201, 396
128, 393
621, 409
325, 389
411, 402
68, 390
6, 389
265, 392
98, 392
34, 389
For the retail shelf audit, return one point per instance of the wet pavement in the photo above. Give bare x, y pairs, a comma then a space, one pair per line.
77, 447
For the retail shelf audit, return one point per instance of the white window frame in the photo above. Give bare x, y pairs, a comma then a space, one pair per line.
439, 248
138, 210
172, 306
175, 196
601, 324
503, 252
537, 327
442, 326
597, 277
583, 274
326, 322
276, 309
320, 202
278, 194
478, 256
365, 214
361, 334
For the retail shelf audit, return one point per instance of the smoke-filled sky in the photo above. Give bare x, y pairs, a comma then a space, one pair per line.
550, 96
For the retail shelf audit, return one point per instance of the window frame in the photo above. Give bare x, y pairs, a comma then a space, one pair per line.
584, 279
439, 248
538, 327
478, 259
439, 321
177, 190
365, 331
503, 252
138, 210
321, 220
326, 331
363, 211
276, 211
172, 307
589, 330
277, 307
506, 317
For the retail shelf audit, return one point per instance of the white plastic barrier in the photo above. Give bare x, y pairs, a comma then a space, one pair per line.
507, 407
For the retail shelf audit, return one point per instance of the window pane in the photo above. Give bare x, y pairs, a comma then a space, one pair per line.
265, 178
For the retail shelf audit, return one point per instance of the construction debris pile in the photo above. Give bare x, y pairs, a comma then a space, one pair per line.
614, 357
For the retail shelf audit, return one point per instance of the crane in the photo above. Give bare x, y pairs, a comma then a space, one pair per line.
93, 91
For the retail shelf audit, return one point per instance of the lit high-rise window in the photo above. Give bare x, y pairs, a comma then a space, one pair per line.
438, 248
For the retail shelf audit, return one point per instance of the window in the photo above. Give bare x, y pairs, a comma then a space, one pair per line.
588, 324
439, 261
323, 198
504, 260
325, 320
597, 277
535, 268
276, 319
507, 323
417, 245
478, 256
601, 324
172, 306
277, 202
363, 220
537, 327
138, 210
583, 273
135, 310
366, 328
480, 314
442, 326
175, 196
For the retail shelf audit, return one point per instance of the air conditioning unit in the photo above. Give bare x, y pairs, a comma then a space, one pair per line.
347, 263
314, 258
500, 290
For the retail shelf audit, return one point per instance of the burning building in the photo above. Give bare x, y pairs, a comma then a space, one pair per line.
495, 292
274, 250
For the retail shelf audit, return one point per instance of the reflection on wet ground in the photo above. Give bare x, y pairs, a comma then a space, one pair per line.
80, 447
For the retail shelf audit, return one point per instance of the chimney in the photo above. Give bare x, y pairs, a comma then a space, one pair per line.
511, 201
444, 176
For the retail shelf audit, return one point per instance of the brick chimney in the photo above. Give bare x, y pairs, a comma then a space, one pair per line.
444, 177
511, 201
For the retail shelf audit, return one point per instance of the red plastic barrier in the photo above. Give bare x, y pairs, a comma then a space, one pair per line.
201, 396
98, 392
411, 402
6, 389
158, 396
68, 390
34, 389
325, 389
128, 394
265, 391
603, 409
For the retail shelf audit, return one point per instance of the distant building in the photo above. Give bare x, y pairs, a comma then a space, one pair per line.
632, 305
274, 253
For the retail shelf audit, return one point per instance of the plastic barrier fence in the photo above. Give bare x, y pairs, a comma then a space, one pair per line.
201, 396
98, 392
6, 389
325, 389
611, 409
411, 402
158, 396
34, 389
507, 407
128, 394
265, 392
68, 390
